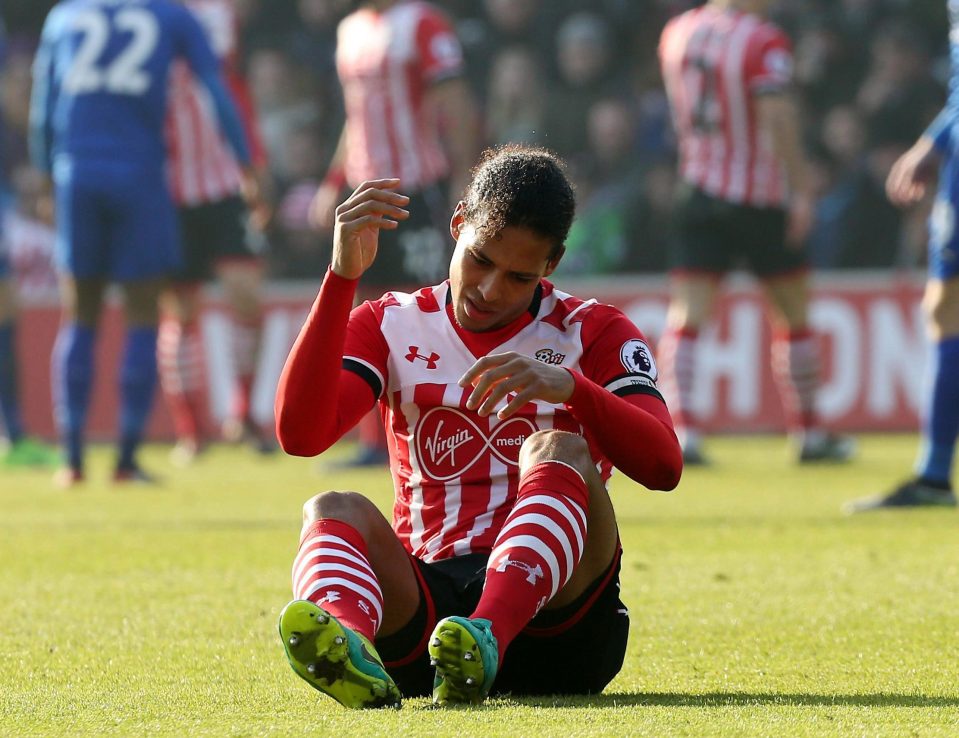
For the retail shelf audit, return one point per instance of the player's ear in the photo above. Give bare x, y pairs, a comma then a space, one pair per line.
554, 262
456, 222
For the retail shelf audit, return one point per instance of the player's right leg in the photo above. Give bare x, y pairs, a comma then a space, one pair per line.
81, 260
352, 579
698, 262
71, 372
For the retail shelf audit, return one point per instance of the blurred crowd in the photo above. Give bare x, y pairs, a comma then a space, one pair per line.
582, 79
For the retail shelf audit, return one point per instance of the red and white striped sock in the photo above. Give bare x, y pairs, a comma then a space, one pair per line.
795, 364
537, 550
332, 570
246, 350
180, 365
677, 360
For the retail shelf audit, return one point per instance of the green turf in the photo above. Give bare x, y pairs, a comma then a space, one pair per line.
757, 608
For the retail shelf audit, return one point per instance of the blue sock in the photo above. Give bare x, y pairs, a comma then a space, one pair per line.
72, 377
941, 422
138, 379
9, 394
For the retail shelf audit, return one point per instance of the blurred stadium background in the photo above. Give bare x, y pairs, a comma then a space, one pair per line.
581, 78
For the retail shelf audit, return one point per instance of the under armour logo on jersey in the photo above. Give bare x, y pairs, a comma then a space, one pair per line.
415, 354
532, 571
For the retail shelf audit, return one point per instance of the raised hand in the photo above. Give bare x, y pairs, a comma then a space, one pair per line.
494, 377
911, 173
374, 206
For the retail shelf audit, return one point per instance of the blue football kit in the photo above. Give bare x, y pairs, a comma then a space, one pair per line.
97, 126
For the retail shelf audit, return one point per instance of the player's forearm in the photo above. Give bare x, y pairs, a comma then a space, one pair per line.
779, 118
307, 407
642, 446
243, 99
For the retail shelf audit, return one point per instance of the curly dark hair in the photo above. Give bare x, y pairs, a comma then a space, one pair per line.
524, 187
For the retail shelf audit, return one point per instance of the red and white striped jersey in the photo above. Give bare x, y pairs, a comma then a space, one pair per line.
203, 168
386, 61
456, 473
714, 63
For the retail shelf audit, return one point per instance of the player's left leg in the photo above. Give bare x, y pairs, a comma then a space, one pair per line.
795, 363
558, 538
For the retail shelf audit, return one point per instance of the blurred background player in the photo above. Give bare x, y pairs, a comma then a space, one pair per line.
20, 450
207, 184
97, 117
727, 73
906, 185
410, 114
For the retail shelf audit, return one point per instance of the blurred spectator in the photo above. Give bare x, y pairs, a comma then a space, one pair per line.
585, 75
829, 64
616, 225
899, 95
516, 98
28, 229
502, 24
285, 101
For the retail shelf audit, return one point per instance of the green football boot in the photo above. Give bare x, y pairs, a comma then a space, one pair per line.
335, 659
28, 452
466, 656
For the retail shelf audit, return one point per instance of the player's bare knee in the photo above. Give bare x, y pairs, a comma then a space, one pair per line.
555, 445
349, 507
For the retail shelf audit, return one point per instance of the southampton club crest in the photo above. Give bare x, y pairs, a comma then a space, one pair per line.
638, 358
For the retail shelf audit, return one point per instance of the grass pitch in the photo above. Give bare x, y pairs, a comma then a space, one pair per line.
757, 607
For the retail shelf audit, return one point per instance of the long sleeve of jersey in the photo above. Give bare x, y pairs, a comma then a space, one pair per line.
616, 400
316, 401
43, 101
634, 432
946, 124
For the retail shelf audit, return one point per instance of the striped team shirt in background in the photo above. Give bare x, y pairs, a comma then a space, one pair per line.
714, 63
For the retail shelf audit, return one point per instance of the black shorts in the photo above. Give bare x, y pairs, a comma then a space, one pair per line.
576, 649
418, 252
210, 233
716, 236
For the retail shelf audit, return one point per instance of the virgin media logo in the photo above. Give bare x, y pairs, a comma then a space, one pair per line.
449, 443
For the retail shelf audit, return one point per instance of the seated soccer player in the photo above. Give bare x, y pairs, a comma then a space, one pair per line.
507, 403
